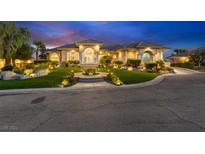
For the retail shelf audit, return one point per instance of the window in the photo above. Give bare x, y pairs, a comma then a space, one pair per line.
72, 55
147, 57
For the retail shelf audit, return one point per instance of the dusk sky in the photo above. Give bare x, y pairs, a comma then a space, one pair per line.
170, 34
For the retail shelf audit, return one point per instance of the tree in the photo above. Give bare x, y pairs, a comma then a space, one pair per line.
40, 47
1, 39
106, 60
197, 58
43, 51
12, 39
24, 53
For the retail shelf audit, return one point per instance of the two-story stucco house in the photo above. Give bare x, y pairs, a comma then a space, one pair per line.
90, 52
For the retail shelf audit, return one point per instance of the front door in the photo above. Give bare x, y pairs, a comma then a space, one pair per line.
89, 56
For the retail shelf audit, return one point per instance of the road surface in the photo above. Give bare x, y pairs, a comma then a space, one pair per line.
176, 104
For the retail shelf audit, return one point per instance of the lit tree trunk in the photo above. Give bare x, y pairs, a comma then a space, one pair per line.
7, 61
199, 62
13, 62
37, 54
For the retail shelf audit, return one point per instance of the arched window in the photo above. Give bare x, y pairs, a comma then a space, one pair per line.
147, 56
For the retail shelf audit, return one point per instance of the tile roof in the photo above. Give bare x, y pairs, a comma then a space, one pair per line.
142, 44
111, 46
89, 41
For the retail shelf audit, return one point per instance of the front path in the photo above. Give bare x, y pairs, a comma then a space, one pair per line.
176, 104
84, 85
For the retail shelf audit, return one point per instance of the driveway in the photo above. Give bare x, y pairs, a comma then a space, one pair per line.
176, 104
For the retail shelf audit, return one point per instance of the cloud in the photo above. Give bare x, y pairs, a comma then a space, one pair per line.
172, 34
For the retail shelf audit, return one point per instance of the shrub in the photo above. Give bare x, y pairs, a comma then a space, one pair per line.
106, 61
30, 66
28, 71
184, 65
76, 62
53, 64
41, 66
166, 70
7, 68
90, 71
118, 63
17, 70
151, 66
36, 62
114, 79
160, 65
65, 64
68, 80
133, 62
73, 63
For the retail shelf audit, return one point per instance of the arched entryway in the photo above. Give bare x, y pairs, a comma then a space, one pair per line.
89, 56
147, 56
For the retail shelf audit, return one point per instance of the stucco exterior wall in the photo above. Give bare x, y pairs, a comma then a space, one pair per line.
63, 56
121, 55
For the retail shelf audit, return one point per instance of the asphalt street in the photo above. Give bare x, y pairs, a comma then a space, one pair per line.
175, 104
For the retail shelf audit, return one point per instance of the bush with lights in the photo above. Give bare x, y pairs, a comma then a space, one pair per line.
118, 64
114, 79
68, 80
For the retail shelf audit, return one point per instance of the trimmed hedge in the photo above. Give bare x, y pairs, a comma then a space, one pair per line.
133, 62
41, 61
184, 65
118, 63
7, 68
74, 62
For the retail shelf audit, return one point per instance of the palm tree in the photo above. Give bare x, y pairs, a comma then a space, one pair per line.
13, 39
43, 51
38, 45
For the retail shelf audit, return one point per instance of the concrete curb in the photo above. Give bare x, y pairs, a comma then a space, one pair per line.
155, 81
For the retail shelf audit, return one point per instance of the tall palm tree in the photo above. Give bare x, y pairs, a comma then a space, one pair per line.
38, 45
43, 51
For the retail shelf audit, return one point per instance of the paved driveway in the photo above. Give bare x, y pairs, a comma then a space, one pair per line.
176, 104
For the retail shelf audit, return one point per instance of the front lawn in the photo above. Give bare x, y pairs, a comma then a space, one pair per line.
131, 77
51, 80
201, 69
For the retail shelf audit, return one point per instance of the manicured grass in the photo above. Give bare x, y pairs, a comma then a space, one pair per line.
201, 69
131, 77
51, 80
